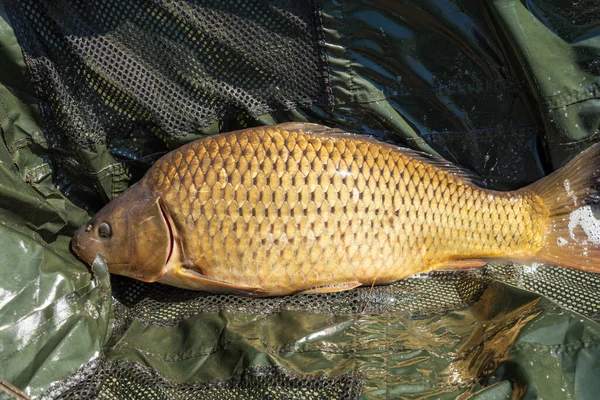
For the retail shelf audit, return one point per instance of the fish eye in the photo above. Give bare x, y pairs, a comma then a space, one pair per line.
104, 230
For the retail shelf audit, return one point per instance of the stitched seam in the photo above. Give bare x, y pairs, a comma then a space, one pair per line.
564, 100
387, 357
486, 131
568, 347
11, 122
347, 51
576, 142
175, 357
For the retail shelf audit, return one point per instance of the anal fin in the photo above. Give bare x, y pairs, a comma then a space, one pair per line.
338, 287
459, 264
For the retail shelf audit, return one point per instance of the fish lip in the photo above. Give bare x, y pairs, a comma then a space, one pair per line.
76, 247
167, 218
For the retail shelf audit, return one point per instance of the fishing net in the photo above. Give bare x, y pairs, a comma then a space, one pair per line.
424, 296
418, 296
139, 76
118, 380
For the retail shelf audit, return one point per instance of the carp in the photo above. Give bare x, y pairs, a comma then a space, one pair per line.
300, 207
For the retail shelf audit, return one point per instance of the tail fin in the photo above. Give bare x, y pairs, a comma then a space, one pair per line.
573, 238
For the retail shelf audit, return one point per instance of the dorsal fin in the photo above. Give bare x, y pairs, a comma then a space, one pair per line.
460, 172
308, 127
437, 161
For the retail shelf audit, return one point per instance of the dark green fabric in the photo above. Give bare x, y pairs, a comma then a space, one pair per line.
509, 89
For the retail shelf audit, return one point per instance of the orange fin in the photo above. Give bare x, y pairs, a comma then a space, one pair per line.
571, 196
187, 278
459, 264
307, 127
338, 287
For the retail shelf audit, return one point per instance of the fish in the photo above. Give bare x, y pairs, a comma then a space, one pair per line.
304, 208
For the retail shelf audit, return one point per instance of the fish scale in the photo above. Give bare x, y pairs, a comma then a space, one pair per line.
286, 210
305, 208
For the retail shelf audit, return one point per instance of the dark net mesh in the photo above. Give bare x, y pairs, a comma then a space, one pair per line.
573, 289
134, 75
157, 304
102, 379
417, 296
176, 66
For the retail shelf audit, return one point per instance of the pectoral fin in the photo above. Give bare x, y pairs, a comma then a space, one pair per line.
190, 279
340, 287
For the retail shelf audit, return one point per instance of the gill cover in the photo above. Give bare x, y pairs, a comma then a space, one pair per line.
131, 232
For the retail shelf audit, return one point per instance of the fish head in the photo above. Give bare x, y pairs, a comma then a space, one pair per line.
131, 232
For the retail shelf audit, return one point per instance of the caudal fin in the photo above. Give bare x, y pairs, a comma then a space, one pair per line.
573, 238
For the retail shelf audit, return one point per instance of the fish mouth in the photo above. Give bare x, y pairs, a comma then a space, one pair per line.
76, 246
167, 218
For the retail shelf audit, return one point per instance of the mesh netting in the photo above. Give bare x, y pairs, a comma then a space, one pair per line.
133, 75
418, 296
175, 65
157, 304
573, 289
102, 379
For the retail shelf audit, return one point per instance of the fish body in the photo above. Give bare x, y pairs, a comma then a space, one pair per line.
304, 208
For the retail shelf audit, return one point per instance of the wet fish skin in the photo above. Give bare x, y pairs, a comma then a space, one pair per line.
288, 210
300, 207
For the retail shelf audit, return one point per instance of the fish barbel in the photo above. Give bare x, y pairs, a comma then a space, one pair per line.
305, 208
